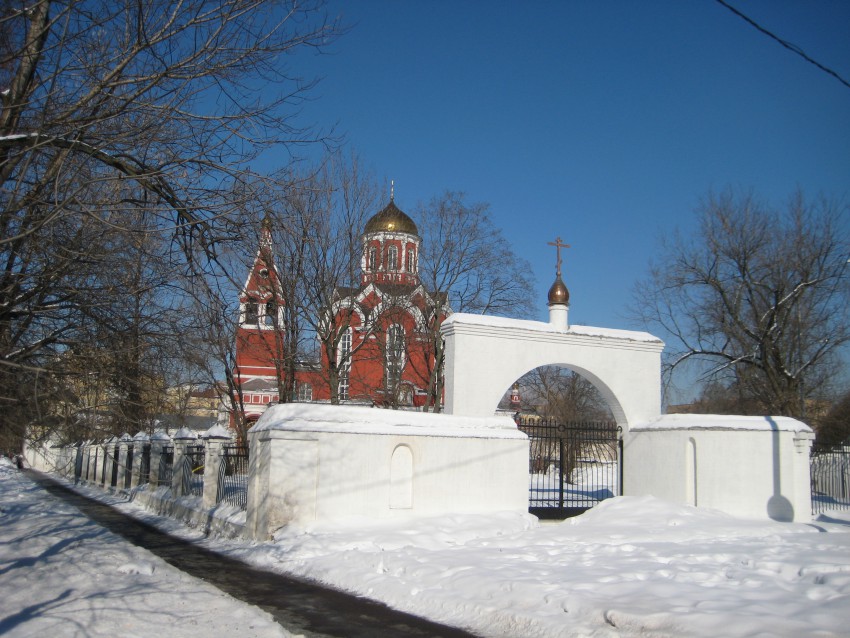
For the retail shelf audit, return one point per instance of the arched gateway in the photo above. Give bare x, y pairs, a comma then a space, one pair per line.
485, 355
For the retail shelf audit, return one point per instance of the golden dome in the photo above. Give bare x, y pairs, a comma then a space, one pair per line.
391, 219
558, 293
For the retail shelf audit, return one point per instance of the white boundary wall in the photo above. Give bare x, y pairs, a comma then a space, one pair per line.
318, 463
756, 467
485, 355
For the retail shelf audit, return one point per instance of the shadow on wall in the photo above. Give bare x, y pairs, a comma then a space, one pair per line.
779, 508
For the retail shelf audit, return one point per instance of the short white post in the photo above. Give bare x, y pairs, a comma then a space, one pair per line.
138, 450
97, 465
123, 445
212, 467
182, 439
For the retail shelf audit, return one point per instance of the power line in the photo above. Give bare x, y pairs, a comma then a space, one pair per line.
791, 47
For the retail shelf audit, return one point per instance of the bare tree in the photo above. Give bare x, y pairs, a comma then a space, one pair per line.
211, 348
109, 109
560, 393
327, 216
758, 296
563, 397
467, 265
834, 427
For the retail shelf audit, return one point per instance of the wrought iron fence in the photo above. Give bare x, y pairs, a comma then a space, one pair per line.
104, 465
114, 481
78, 463
572, 466
166, 466
128, 472
830, 468
86, 462
145, 464
193, 470
233, 476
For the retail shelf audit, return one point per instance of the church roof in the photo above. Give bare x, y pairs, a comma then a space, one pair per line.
260, 385
391, 219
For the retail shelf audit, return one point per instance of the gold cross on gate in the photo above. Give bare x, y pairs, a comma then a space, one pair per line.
558, 245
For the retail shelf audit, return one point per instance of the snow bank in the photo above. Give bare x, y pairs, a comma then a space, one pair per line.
309, 417
461, 318
722, 422
632, 566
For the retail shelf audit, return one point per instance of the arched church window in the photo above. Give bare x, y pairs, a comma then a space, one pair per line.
343, 362
252, 313
410, 265
270, 319
373, 259
394, 356
392, 258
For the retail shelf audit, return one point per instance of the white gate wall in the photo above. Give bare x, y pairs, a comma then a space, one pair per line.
485, 355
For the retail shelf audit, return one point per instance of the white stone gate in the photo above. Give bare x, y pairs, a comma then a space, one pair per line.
485, 355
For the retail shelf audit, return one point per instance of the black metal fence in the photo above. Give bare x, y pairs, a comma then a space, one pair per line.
114, 480
145, 464
830, 467
233, 476
572, 466
166, 466
128, 474
106, 453
193, 470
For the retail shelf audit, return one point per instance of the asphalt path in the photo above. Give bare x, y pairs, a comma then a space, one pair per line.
298, 605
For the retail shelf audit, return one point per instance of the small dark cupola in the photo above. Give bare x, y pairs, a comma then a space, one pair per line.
558, 293
390, 247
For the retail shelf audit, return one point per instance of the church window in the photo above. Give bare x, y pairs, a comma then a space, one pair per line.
343, 361
392, 258
305, 392
270, 318
373, 258
394, 356
410, 265
252, 313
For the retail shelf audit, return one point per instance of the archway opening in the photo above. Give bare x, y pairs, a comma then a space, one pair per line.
574, 440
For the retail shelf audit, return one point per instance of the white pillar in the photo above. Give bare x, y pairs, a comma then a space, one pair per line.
182, 439
558, 316
212, 465
138, 450
124, 443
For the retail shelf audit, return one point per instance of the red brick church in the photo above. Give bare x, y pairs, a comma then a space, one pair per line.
383, 328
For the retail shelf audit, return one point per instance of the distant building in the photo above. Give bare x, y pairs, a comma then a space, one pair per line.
385, 354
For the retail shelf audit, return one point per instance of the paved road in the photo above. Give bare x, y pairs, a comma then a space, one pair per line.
298, 605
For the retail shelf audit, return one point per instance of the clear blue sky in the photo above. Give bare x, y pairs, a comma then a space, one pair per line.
600, 122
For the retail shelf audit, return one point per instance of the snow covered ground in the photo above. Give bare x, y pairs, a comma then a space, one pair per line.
63, 575
629, 567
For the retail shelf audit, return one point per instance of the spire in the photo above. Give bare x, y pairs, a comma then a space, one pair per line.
559, 295
392, 189
266, 233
